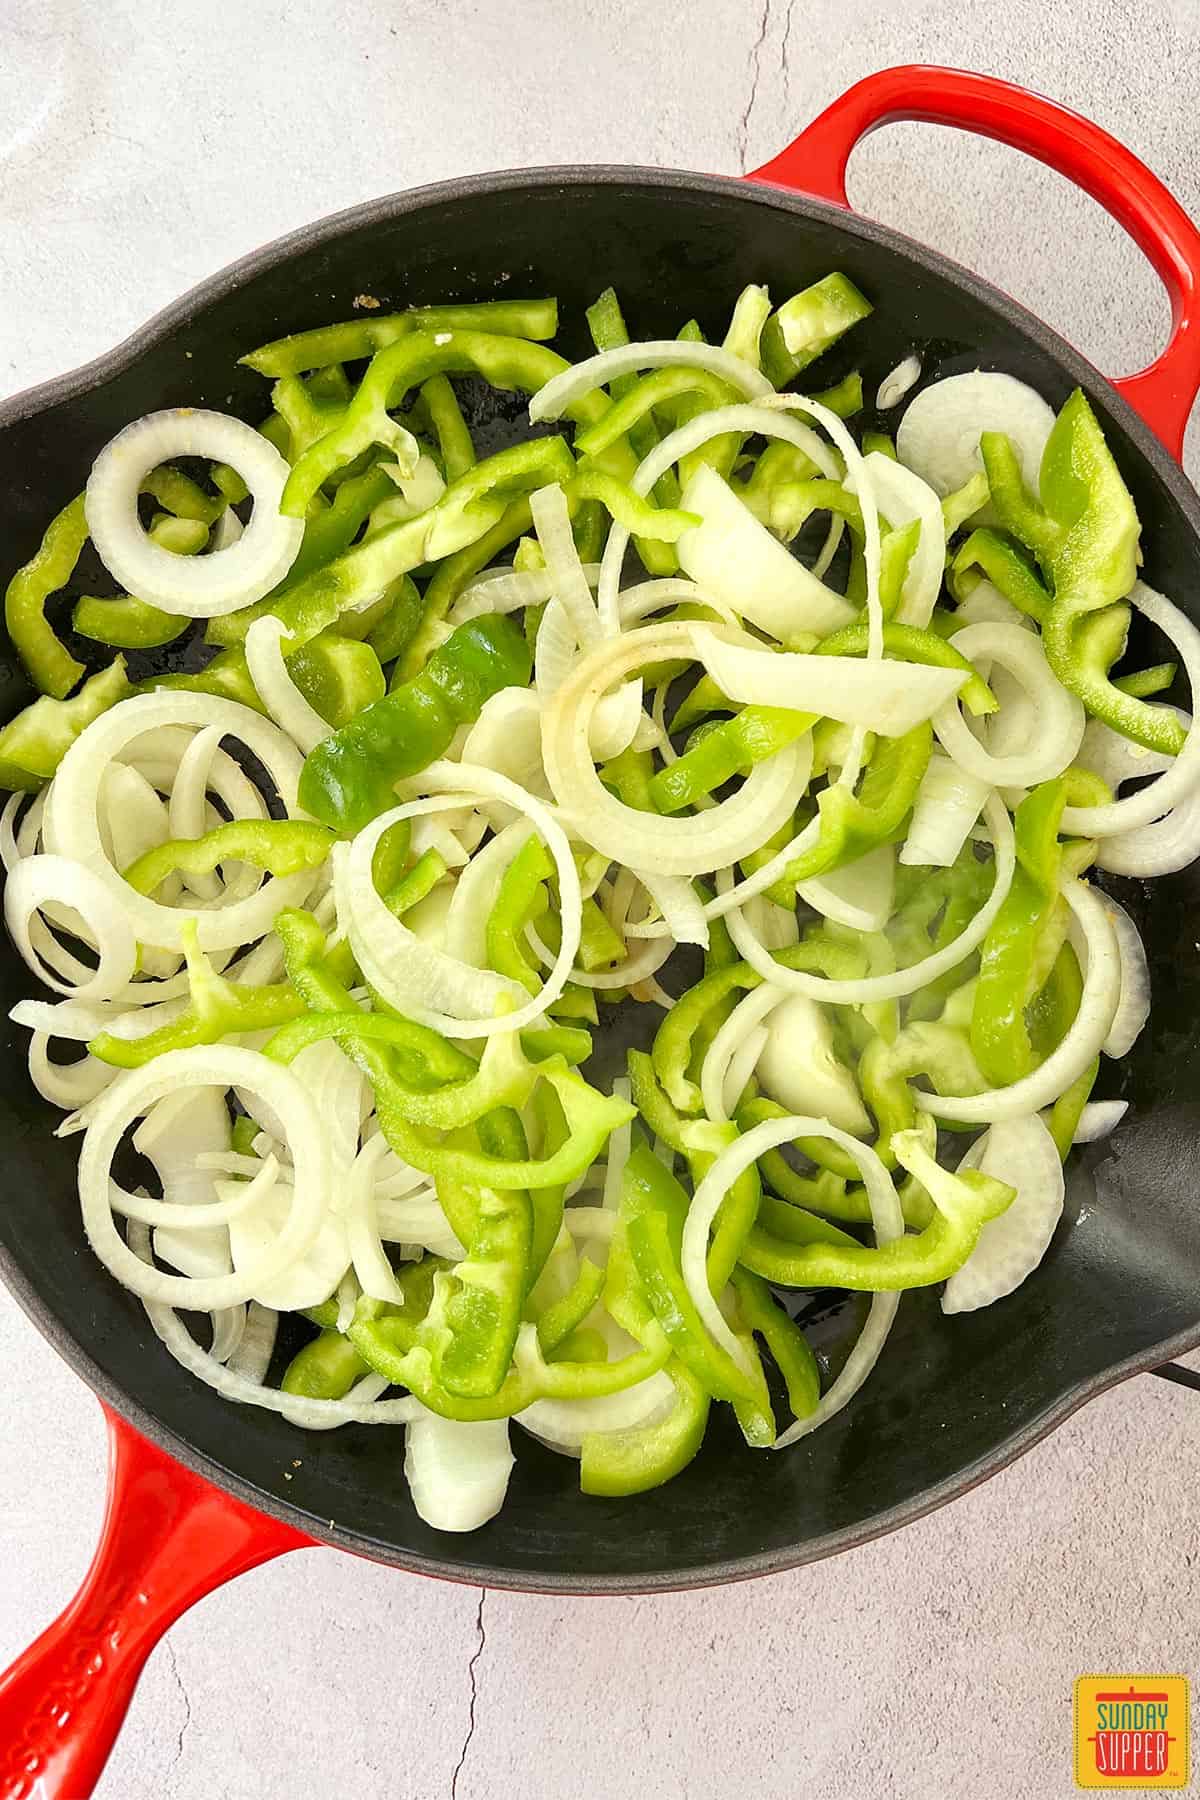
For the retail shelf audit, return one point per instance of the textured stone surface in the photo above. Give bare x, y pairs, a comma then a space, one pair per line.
141, 148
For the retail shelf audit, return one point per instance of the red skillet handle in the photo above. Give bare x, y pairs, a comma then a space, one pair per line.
1088, 156
168, 1539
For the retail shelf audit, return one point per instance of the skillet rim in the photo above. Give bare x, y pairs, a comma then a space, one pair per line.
29, 402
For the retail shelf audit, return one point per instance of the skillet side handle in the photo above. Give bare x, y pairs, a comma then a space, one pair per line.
168, 1539
1163, 393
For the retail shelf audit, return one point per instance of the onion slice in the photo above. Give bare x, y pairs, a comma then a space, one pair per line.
196, 587
939, 435
1020, 1151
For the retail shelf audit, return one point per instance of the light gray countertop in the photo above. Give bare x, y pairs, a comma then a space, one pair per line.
142, 147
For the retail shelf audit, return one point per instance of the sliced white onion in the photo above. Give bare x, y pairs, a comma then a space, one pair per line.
869, 988
948, 803
69, 1085
509, 590
1157, 798
859, 894
1060, 716
800, 1070
562, 391
75, 796
418, 1219
1133, 1007
1083, 1041
220, 1066
175, 1136
1098, 1119
619, 1145
901, 497
985, 604
733, 556
893, 387
569, 584
887, 697
680, 906
1020, 1151
765, 420
1117, 759
743, 1023
420, 980
187, 815
457, 1473
197, 587
565, 1423
38, 881
939, 434
669, 846
277, 691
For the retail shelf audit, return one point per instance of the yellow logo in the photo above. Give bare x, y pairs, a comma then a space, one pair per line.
1132, 1731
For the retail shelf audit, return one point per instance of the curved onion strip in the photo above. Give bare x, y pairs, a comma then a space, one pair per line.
508, 590
422, 982
680, 443
75, 795
223, 1066
565, 1423
552, 400
639, 965
895, 385
948, 804
184, 1215
1059, 716
252, 1358
745, 1019
39, 880
194, 587
1021, 1152
276, 689
69, 1085
681, 908
367, 1254
187, 808
568, 583
904, 497
1157, 797
1133, 1007
1082, 1043
668, 846
886, 1218
475, 894
1117, 759
1098, 1119
903, 981
940, 431
228, 1325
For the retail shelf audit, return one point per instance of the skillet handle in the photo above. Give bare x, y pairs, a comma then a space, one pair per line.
168, 1539
816, 162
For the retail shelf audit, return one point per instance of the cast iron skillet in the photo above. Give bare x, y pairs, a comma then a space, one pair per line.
952, 1400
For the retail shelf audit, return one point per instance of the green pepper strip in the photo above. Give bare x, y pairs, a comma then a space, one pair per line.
589, 1117
350, 777
478, 1304
788, 1345
643, 396
658, 524
414, 886
336, 674
34, 742
126, 623
1007, 566
520, 897
279, 846
926, 1047
852, 824
1142, 683
49, 663
1085, 535
655, 1208
325, 1369
964, 1203
810, 323
357, 338
557, 1321
1011, 962
731, 748
308, 418
616, 1463
450, 428
909, 643
510, 363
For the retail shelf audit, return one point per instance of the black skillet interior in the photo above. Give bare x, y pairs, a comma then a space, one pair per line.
952, 1399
